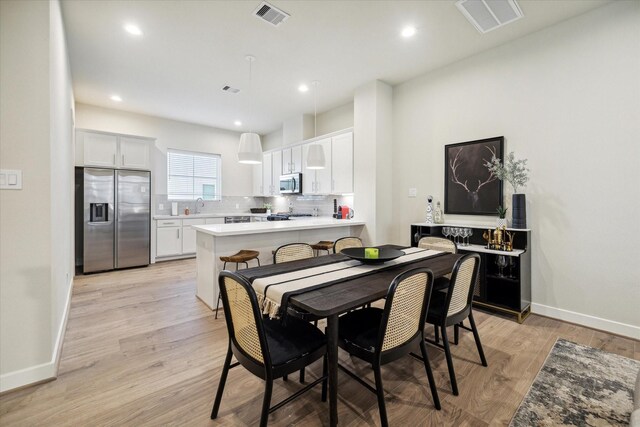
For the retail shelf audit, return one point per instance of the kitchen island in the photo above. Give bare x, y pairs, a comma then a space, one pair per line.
216, 240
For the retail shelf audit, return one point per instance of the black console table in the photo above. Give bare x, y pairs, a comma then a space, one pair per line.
507, 293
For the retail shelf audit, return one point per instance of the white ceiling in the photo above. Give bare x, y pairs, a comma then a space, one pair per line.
190, 49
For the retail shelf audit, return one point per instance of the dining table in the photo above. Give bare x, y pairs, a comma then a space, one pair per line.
342, 296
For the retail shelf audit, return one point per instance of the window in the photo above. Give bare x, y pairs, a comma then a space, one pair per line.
191, 175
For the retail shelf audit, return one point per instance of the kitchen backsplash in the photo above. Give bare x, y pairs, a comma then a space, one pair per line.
239, 204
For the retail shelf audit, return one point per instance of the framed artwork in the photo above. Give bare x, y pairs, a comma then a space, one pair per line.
469, 187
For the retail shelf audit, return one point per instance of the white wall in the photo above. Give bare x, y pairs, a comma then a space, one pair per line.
62, 176
236, 177
372, 155
335, 119
272, 140
35, 222
568, 99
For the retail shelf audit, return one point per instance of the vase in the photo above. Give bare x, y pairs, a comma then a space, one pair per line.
500, 222
519, 211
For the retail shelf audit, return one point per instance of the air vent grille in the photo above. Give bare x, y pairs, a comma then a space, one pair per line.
271, 14
487, 15
230, 89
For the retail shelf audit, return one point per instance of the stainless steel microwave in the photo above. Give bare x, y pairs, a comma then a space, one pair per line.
291, 183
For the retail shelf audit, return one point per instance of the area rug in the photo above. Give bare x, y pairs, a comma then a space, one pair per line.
580, 386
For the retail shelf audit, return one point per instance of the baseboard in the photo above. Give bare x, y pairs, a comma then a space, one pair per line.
611, 326
45, 371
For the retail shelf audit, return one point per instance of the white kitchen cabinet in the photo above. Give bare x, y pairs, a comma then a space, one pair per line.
134, 153
342, 163
215, 220
292, 159
276, 171
323, 176
168, 240
267, 184
94, 148
99, 149
317, 181
189, 235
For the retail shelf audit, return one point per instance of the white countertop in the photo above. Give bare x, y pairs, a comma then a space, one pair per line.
273, 226
207, 215
462, 225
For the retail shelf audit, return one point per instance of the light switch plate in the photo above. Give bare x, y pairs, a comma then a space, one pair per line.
161, 206
413, 192
10, 179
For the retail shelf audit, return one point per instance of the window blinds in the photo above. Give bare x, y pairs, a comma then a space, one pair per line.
191, 175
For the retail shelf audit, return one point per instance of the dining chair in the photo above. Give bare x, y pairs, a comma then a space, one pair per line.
380, 336
268, 348
439, 244
292, 252
453, 307
346, 242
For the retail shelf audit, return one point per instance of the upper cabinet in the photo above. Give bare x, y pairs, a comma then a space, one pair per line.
337, 175
134, 153
112, 150
292, 159
335, 178
318, 181
99, 149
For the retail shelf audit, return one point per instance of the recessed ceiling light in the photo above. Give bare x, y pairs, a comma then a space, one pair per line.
303, 88
237, 123
408, 32
133, 29
116, 98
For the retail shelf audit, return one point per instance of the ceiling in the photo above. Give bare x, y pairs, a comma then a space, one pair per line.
191, 49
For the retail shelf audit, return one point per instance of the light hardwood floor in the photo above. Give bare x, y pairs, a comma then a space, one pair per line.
140, 349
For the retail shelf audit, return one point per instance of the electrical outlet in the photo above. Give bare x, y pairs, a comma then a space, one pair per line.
237, 205
161, 206
413, 192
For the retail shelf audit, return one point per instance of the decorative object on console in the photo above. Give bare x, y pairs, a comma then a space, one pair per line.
438, 217
250, 147
469, 188
429, 219
497, 239
502, 213
516, 173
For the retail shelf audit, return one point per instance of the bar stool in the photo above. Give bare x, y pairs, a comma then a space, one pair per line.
323, 245
242, 257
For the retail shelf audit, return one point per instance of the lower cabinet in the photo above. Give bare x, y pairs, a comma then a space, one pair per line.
168, 241
175, 237
189, 235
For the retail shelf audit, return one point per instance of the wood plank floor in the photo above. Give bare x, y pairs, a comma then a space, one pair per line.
140, 349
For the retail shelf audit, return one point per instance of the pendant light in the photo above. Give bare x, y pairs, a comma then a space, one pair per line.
315, 156
250, 148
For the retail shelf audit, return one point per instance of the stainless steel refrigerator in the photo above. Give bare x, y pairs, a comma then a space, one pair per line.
115, 211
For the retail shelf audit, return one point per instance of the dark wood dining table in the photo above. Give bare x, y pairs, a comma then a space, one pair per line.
337, 298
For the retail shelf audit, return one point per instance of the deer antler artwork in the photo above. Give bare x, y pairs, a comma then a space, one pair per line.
471, 195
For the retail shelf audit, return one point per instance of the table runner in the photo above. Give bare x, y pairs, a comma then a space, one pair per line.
274, 291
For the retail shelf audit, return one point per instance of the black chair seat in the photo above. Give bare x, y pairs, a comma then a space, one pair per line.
291, 340
436, 306
361, 328
441, 283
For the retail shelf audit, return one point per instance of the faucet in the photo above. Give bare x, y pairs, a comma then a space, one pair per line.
199, 204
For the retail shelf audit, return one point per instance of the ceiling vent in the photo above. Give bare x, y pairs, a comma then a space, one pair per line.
270, 14
230, 89
487, 15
